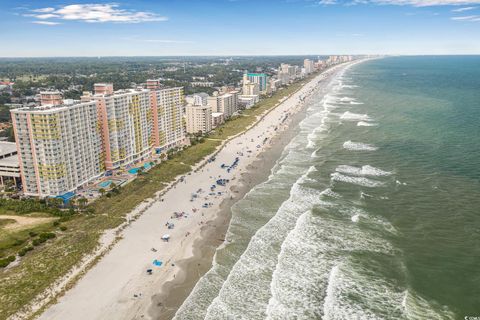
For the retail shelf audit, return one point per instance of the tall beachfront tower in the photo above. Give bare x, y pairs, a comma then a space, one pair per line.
59, 147
259, 78
126, 124
168, 110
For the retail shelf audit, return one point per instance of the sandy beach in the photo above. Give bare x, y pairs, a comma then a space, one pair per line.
119, 286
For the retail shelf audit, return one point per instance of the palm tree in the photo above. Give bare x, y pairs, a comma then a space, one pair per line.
82, 202
102, 191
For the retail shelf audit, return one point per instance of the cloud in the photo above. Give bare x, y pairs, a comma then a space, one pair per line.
46, 23
95, 13
464, 9
466, 18
44, 16
44, 10
415, 3
427, 3
164, 41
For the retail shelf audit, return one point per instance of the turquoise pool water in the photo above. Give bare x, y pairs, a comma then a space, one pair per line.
105, 184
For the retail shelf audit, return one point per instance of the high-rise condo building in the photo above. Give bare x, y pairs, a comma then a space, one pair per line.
169, 127
225, 103
199, 119
126, 124
309, 66
259, 78
62, 146
59, 147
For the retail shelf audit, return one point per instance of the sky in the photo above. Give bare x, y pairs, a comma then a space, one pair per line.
38, 28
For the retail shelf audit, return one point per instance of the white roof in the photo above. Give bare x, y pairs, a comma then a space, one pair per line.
7, 147
11, 161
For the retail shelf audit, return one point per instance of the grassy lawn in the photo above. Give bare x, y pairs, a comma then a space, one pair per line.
49, 261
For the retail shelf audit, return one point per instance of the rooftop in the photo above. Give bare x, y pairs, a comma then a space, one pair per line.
7, 148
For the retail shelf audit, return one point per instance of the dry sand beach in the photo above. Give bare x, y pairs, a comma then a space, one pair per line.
119, 287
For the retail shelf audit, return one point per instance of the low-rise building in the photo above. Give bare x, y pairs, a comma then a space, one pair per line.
9, 163
248, 101
204, 84
217, 119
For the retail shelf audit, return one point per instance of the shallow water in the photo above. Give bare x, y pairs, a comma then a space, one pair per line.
373, 210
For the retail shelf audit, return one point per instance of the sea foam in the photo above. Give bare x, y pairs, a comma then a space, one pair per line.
360, 181
366, 170
350, 116
358, 146
366, 124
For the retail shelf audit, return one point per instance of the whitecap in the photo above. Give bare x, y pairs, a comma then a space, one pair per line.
358, 146
366, 124
350, 116
360, 181
329, 193
366, 170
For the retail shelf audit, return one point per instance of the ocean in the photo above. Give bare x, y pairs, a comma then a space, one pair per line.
373, 209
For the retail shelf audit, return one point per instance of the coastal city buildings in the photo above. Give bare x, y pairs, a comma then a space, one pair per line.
309, 66
63, 144
260, 79
59, 147
217, 119
225, 103
168, 118
53, 98
125, 124
199, 119
248, 101
9, 164
197, 99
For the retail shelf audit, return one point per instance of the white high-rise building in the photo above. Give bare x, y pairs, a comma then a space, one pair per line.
197, 99
225, 103
199, 119
309, 66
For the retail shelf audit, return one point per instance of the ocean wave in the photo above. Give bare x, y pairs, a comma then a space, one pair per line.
366, 124
329, 193
366, 170
350, 116
256, 264
357, 294
360, 181
358, 146
302, 285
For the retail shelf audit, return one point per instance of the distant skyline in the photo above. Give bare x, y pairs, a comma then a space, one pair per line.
238, 27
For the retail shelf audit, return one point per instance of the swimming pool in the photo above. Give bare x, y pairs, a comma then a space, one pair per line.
105, 184
133, 171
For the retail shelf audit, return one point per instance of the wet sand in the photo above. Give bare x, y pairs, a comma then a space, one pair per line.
173, 293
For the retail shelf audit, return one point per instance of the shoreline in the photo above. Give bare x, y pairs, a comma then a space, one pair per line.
126, 289
172, 294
